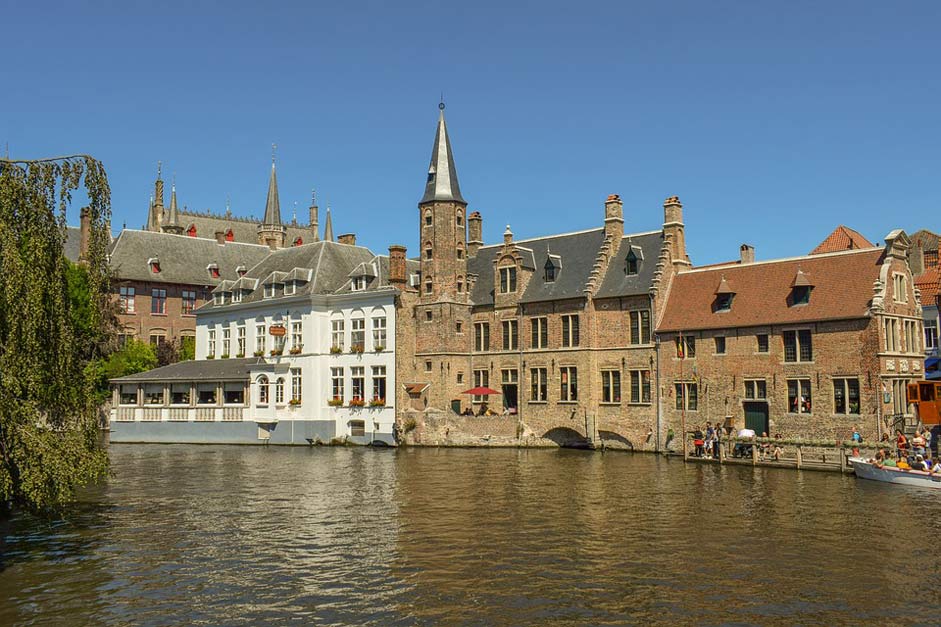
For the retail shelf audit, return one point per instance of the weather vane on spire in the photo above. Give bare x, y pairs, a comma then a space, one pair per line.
159, 167
441, 102
313, 197
273, 148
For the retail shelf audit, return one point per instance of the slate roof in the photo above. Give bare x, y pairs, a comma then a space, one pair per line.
196, 370
929, 283
244, 230
617, 282
71, 247
842, 238
272, 203
926, 239
183, 259
576, 252
842, 290
442, 175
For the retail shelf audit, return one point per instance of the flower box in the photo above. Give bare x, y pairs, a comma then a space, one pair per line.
224, 356
240, 356
210, 356
379, 348
294, 402
357, 348
259, 353
335, 350
335, 402
296, 350
276, 352
357, 402
377, 402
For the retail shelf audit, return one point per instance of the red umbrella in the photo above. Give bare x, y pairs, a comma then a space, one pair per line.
481, 391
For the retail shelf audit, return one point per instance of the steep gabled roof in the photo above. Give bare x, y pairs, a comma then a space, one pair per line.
197, 370
929, 284
843, 289
617, 282
842, 238
182, 259
442, 175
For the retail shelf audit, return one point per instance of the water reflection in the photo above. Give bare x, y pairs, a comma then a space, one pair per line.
239, 535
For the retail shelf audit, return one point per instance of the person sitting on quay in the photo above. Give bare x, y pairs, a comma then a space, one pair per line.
778, 450
483, 409
742, 449
698, 442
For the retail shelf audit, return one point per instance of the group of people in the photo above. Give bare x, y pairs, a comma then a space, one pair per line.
910, 454
706, 444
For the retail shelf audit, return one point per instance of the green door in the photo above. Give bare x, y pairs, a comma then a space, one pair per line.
756, 417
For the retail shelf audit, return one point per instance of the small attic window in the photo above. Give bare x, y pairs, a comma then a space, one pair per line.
269, 290
299, 241
550, 271
631, 264
191, 231
229, 236
358, 284
240, 271
154, 264
218, 299
428, 217
290, 288
237, 296
213, 270
800, 295
724, 302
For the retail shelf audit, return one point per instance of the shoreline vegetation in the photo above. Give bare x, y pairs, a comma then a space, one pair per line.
55, 324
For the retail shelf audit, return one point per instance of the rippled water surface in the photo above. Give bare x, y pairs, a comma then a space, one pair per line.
249, 535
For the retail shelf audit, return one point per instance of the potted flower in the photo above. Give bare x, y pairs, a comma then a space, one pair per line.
224, 356
259, 353
357, 348
335, 350
357, 402
377, 402
275, 352
240, 356
294, 402
295, 350
210, 356
379, 348
336, 401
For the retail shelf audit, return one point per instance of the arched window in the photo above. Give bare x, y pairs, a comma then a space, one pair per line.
460, 284
460, 251
460, 218
427, 217
428, 250
428, 286
191, 231
631, 263
229, 236
262, 389
279, 391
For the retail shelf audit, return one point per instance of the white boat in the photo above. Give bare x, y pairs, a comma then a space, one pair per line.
890, 474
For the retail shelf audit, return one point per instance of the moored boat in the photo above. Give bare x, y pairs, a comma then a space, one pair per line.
889, 474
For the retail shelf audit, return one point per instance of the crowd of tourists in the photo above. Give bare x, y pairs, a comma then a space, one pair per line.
915, 453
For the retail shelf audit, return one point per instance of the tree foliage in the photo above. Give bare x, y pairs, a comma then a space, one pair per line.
135, 356
53, 323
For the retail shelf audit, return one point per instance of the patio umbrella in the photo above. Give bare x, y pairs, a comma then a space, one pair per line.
481, 391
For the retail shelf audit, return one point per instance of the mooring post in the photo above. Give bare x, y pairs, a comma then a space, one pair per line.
754, 453
800, 456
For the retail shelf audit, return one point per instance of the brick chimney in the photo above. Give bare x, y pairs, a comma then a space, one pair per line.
220, 238
347, 238
746, 254
397, 266
475, 237
84, 238
674, 228
614, 218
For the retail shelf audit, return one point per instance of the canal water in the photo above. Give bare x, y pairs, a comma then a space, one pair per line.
350, 536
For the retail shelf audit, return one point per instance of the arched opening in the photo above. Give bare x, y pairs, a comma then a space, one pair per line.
279, 391
566, 437
427, 217
262, 382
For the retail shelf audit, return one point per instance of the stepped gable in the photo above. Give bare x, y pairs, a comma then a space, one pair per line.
617, 282
842, 238
842, 289
576, 250
182, 259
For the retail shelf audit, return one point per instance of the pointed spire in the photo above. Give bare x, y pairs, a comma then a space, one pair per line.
328, 227
150, 217
442, 175
273, 204
173, 216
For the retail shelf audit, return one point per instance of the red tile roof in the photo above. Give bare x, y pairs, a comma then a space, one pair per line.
842, 289
842, 238
929, 282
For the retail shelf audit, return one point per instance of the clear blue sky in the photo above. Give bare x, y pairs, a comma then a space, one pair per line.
774, 122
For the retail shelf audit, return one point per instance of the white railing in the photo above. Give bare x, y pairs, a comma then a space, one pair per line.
178, 414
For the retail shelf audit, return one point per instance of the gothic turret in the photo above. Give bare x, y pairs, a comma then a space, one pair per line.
328, 227
155, 220
442, 175
271, 231
173, 218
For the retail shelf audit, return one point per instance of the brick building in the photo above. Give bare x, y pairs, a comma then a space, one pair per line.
561, 325
802, 347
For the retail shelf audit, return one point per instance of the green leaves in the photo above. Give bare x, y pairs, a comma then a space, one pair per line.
54, 321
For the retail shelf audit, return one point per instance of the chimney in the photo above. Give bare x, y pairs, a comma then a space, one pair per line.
614, 218
916, 259
746, 254
347, 238
84, 234
674, 228
475, 238
220, 238
397, 266
314, 218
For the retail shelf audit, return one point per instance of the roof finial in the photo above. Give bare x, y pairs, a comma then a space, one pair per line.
227, 208
159, 167
173, 182
441, 102
313, 197
273, 148
294, 215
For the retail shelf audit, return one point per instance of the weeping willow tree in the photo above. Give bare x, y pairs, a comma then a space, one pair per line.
48, 418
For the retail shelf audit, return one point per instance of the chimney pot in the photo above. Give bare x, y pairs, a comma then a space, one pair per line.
747, 254
220, 238
397, 266
347, 238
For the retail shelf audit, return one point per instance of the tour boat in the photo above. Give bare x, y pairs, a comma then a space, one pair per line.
890, 474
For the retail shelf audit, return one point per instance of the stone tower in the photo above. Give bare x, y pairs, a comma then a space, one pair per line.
155, 218
443, 310
271, 231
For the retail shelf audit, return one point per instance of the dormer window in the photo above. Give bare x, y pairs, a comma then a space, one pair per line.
724, 295
631, 264
213, 270
299, 241
229, 236
191, 231
801, 287
290, 288
154, 264
550, 271
269, 290
218, 299
240, 271
508, 280
237, 296
358, 284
